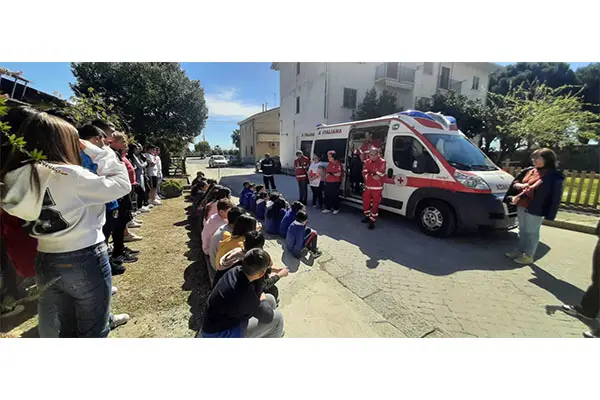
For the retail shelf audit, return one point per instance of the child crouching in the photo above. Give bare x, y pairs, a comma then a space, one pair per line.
300, 236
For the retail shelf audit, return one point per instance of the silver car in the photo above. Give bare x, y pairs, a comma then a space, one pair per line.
217, 162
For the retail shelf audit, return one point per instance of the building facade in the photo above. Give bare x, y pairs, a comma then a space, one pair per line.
259, 134
327, 93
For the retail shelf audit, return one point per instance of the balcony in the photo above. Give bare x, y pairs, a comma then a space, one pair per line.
450, 84
395, 75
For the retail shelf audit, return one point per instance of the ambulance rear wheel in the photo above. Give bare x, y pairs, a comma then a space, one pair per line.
436, 218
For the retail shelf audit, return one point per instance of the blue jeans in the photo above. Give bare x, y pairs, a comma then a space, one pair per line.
75, 299
529, 231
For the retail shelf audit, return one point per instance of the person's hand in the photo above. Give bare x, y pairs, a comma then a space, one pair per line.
376, 177
263, 297
514, 200
283, 273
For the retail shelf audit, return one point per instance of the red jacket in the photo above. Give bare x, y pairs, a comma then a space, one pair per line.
334, 167
20, 247
370, 170
366, 146
130, 169
301, 165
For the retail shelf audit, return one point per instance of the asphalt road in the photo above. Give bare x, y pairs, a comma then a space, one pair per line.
463, 285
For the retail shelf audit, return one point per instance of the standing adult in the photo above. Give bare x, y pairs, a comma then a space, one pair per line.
368, 144
301, 164
537, 192
159, 171
66, 204
267, 166
152, 170
373, 173
316, 179
333, 179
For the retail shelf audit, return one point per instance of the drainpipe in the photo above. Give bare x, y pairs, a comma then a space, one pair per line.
326, 102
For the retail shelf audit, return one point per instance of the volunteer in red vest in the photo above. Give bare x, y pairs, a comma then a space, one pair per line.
301, 164
373, 174
368, 145
334, 174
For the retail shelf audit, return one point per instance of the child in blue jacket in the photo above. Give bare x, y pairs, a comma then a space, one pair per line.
249, 196
289, 217
243, 193
261, 206
276, 207
252, 206
300, 237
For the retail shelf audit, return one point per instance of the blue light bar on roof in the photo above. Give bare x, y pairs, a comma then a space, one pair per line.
415, 114
450, 119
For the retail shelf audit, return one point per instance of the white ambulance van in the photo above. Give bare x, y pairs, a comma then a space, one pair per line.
435, 175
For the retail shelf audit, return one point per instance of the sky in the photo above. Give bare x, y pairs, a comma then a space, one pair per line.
233, 91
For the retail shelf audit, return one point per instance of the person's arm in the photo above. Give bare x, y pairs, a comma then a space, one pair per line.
112, 181
263, 311
555, 199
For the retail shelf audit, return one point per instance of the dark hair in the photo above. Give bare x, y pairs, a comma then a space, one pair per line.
14, 118
267, 155
549, 157
90, 131
60, 113
301, 216
54, 137
244, 223
263, 195
224, 204
131, 151
254, 240
202, 183
252, 186
333, 154
104, 125
211, 181
233, 214
255, 261
274, 196
276, 208
259, 187
297, 206
246, 184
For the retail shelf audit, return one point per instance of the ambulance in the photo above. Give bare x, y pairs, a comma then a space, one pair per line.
435, 175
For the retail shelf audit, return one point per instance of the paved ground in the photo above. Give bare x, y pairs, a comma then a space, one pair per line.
462, 287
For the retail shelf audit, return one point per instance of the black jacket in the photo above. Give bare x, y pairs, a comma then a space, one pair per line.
267, 166
547, 196
233, 301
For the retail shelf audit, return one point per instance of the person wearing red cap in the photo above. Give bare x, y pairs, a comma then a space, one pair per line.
301, 164
368, 145
373, 174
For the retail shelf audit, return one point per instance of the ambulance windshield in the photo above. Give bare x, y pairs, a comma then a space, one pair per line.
460, 152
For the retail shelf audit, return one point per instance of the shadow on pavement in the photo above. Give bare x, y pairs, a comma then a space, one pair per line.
565, 292
398, 239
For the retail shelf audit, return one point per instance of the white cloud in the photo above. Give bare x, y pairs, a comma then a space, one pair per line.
225, 103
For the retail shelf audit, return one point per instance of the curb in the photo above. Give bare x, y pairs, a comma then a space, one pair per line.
571, 226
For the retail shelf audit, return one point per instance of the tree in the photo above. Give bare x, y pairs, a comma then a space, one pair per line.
235, 138
589, 78
374, 106
90, 106
217, 150
202, 147
157, 101
552, 74
538, 115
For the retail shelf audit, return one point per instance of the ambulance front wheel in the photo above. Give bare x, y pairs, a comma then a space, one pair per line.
436, 218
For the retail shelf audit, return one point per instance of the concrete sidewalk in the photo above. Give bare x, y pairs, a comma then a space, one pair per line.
584, 223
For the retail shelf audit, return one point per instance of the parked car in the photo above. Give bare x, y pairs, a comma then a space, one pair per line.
276, 161
235, 161
217, 161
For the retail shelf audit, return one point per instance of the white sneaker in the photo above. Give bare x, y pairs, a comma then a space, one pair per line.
325, 211
145, 209
133, 224
157, 202
138, 221
336, 212
132, 237
113, 290
118, 320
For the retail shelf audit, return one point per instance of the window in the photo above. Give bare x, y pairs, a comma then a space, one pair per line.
428, 68
306, 146
298, 105
297, 68
349, 98
251, 150
475, 83
445, 78
407, 150
323, 146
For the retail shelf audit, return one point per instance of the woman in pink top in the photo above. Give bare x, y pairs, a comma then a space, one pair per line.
215, 222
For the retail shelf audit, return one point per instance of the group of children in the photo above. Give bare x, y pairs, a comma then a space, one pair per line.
289, 222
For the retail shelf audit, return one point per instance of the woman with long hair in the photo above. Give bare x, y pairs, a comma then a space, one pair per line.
333, 179
537, 192
139, 164
65, 204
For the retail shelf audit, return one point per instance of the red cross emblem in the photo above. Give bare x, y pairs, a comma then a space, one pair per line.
400, 180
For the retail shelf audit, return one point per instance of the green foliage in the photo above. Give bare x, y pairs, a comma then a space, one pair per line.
235, 138
375, 106
589, 78
156, 100
202, 147
217, 151
89, 106
171, 188
552, 74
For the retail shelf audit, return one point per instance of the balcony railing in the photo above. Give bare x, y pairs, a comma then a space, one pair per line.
451, 84
395, 75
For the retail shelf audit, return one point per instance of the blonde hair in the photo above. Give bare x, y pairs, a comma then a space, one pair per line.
117, 136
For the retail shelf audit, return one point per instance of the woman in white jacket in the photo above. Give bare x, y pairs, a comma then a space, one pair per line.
64, 203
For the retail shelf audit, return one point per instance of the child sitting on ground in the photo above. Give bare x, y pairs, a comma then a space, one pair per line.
300, 237
276, 207
261, 206
289, 217
259, 189
249, 196
245, 190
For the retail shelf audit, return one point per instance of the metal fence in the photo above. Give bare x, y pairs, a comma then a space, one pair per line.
580, 191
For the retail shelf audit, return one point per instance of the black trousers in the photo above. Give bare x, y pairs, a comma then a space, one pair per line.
303, 191
332, 199
269, 182
142, 196
109, 225
120, 224
590, 302
317, 195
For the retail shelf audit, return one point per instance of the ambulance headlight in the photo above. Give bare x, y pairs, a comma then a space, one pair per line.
471, 181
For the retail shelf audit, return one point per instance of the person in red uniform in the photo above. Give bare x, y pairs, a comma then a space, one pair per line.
301, 164
373, 174
368, 145
333, 178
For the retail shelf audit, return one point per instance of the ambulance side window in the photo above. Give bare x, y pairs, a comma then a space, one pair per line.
408, 149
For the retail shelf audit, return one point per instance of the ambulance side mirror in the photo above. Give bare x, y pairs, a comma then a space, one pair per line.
390, 173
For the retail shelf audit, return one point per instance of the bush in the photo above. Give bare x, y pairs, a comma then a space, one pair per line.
171, 188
